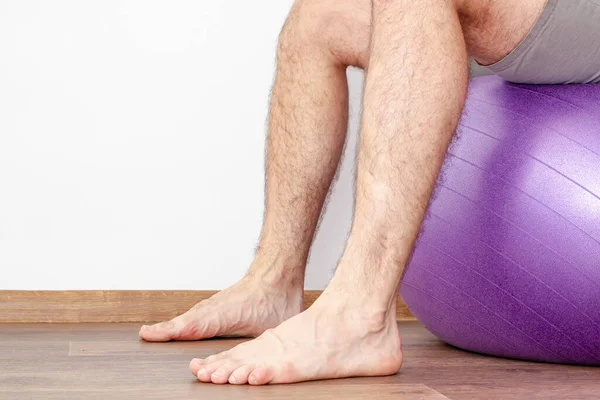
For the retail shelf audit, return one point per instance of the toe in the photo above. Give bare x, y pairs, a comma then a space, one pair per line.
142, 330
205, 372
221, 375
240, 375
195, 365
161, 332
260, 376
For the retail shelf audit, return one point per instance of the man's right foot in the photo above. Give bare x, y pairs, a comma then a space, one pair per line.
246, 309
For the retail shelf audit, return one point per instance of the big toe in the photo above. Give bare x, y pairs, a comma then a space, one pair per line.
195, 366
161, 332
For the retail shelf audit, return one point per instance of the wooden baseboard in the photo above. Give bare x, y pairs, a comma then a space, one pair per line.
20, 306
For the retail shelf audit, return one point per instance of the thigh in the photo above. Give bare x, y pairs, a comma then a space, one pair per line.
494, 28
562, 47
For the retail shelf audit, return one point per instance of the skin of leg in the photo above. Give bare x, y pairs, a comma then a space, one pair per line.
414, 93
307, 129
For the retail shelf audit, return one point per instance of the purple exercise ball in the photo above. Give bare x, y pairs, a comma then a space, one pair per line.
508, 260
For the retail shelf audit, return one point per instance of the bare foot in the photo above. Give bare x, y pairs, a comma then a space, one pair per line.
245, 309
329, 340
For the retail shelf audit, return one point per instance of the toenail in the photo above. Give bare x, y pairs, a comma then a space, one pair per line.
201, 371
232, 379
252, 380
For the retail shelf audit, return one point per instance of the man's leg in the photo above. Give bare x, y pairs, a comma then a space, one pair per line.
307, 127
414, 92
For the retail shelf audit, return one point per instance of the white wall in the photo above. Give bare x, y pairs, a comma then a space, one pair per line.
131, 144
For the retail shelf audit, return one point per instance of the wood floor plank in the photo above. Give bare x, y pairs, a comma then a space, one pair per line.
307, 390
303, 391
145, 349
77, 306
108, 361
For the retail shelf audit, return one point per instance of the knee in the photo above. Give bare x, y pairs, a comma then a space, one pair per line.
319, 25
309, 24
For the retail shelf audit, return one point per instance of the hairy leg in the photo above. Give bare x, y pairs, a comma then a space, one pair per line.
414, 92
307, 127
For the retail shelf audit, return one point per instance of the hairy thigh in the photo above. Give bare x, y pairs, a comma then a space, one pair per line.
493, 28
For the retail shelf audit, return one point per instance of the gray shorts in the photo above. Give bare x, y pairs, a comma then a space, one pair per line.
562, 47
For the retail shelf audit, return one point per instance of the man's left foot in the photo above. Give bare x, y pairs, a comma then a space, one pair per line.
329, 340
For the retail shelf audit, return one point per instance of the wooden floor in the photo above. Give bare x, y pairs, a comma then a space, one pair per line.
107, 361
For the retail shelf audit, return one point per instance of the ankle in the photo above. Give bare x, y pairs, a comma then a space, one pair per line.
274, 270
371, 275
369, 291
279, 282
365, 317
